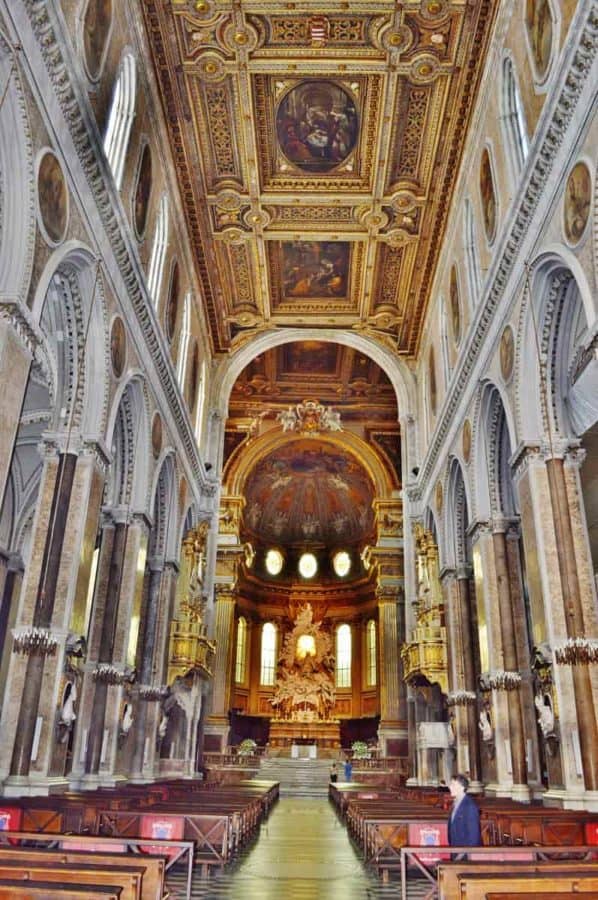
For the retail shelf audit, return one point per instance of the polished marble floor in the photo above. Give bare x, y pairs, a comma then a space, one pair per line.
302, 852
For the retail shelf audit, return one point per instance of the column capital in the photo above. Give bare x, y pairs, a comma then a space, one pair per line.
505, 525
388, 593
479, 528
464, 571
447, 572
225, 592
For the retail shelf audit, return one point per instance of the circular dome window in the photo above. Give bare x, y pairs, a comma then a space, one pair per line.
308, 565
274, 562
341, 563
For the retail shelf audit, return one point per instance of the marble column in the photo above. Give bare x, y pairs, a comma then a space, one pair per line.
562, 602
510, 661
393, 726
574, 567
147, 664
57, 483
110, 572
224, 619
57, 573
467, 660
11, 568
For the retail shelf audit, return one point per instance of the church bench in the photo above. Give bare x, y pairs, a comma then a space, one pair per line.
537, 825
478, 885
210, 833
168, 853
538, 895
152, 867
450, 873
128, 878
48, 890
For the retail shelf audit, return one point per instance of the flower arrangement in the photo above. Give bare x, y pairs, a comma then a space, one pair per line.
578, 651
360, 750
247, 747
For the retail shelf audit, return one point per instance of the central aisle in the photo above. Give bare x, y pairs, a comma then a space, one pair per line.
303, 852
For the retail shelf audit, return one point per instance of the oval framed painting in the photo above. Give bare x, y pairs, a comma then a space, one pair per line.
157, 435
540, 33
118, 346
53, 198
143, 189
577, 203
455, 305
488, 195
172, 303
97, 23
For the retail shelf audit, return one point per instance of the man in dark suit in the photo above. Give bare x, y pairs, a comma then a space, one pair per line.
464, 822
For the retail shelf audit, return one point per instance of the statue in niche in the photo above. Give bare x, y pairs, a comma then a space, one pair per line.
304, 689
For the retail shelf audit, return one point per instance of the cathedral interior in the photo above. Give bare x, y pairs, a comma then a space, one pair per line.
299, 407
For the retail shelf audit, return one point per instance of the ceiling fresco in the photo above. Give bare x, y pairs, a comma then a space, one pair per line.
317, 154
309, 493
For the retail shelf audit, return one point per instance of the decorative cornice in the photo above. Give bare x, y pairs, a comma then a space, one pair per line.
539, 171
84, 136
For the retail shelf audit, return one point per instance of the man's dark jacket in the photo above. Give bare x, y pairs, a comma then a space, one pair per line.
464, 826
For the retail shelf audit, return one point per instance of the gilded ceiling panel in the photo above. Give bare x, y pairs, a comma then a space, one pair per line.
317, 153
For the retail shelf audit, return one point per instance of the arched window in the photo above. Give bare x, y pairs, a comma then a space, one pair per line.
268, 662
120, 119
156, 266
513, 117
471, 252
370, 669
343, 656
241, 654
184, 338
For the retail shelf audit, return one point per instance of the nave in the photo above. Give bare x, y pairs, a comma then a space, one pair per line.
302, 852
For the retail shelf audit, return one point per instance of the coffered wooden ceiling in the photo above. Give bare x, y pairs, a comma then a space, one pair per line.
317, 146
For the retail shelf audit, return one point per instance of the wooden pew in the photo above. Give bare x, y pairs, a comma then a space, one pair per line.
152, 867
128, 878
571, 878
48, 890
167, 852
451, 874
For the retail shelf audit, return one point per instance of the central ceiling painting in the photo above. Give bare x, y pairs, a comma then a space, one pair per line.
316, 125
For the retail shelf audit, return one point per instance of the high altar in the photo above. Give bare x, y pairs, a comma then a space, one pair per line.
304, 692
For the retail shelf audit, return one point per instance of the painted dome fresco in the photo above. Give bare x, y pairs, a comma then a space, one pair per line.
309, 492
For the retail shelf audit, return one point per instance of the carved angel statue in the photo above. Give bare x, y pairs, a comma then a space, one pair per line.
331, 419
288, 419
128, 719
485, 725
67, 713
543, 704
162, 727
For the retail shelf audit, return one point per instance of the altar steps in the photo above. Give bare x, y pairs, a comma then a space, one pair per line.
297, 777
